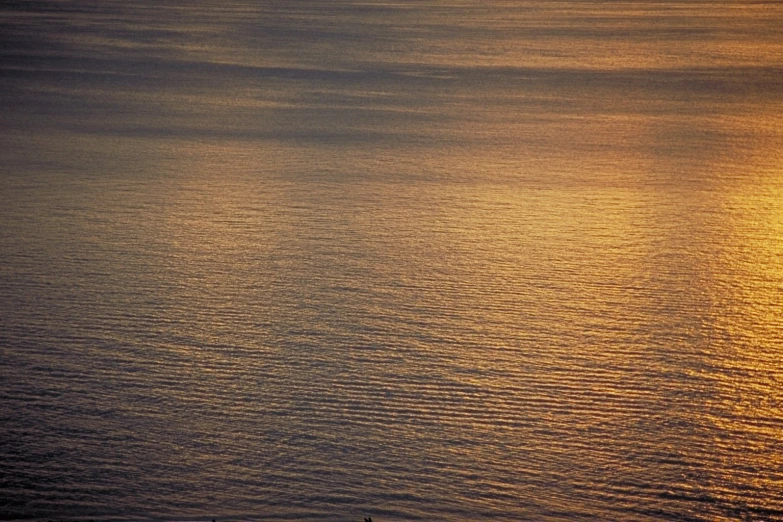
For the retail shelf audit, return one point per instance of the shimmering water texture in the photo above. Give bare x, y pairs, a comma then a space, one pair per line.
415, 261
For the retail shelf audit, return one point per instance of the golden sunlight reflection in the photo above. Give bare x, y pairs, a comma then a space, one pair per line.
422, 260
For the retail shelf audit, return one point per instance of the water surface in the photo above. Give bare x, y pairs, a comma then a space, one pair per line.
421, 260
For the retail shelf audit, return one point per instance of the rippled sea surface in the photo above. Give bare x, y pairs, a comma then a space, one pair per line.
419, 260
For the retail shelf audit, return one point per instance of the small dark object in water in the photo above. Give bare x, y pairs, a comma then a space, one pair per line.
366, 519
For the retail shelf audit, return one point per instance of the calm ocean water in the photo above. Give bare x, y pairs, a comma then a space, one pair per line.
417, 261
